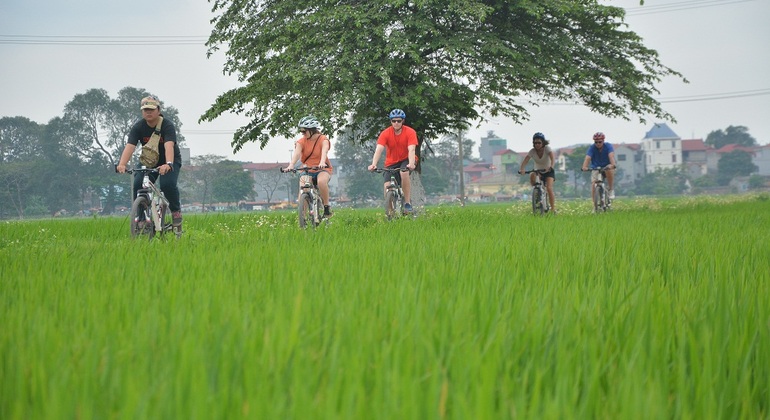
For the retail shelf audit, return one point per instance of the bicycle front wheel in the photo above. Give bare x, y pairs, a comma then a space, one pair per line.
598, 198
305, 210
141, 219
391, 205
166, 222
537, 202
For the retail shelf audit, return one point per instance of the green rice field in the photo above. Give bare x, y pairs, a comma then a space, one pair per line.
656, 310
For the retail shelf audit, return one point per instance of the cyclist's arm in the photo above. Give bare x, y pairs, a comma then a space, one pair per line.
376, 158
128, 151
524, 164
586, 161
612, 160
295, 156
168, 146
411, 164
553, 160
324, 152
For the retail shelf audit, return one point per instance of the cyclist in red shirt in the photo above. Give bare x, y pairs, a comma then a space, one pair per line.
399, 141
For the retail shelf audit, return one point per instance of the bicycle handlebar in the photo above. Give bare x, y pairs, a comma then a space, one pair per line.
594, 168
140, 170
539, 171
393, 170
302, 169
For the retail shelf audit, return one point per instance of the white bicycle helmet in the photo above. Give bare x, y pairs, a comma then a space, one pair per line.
309, 122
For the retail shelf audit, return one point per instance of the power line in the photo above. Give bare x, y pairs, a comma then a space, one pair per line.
691, 98
675, 7
101, 40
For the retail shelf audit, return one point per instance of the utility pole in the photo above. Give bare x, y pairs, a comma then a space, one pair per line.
462, 173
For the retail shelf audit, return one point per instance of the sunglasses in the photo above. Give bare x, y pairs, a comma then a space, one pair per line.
537, 142
303, 131
396, 121
598, 141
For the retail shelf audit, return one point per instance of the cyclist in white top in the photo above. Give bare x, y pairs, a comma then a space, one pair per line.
542, 155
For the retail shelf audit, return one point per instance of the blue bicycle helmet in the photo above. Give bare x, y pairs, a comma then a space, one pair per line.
538, 135
397, 113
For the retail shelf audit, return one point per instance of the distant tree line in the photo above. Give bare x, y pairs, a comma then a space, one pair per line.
67, 164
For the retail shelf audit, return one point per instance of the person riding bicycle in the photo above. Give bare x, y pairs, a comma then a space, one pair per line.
169, 162
599, 155
312, 149
399, 141
542, 156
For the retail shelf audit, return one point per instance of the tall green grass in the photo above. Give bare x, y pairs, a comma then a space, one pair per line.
659, 309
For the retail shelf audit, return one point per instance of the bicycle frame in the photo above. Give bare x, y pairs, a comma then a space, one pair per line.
394, 194
310, 201
601, 198
540, 202
158, 206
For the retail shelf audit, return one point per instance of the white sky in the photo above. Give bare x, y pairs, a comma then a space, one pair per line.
719, 45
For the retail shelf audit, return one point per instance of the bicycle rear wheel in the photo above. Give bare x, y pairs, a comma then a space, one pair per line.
391, 205
305, 210
141, 220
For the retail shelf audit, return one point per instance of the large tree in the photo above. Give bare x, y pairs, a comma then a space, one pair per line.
732, 135
232, 184
735, 163
447, 64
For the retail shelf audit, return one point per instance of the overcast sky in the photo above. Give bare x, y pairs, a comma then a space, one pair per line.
54, 49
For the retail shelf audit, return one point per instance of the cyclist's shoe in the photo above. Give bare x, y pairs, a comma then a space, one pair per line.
176, 222
328, 212
612, 194
407, 208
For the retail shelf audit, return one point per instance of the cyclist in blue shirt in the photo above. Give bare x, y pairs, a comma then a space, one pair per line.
599, 155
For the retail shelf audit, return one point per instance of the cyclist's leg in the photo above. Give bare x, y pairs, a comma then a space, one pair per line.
610, 180
551, 195
323, 186
595, 176
532, 178
137, 184
168, 184
405, 181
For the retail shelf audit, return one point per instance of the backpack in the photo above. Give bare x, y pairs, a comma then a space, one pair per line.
150, 153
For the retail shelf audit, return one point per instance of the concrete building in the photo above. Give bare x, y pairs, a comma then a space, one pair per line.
694, 157
490, 145
662, 148
630, 163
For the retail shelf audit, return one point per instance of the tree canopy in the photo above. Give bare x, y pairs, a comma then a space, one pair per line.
732, 135
447, 64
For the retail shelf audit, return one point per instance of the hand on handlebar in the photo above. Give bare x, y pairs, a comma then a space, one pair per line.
411, 166
371, 167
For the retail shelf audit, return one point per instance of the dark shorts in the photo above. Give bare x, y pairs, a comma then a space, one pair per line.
550, 174
314, 175
400, 165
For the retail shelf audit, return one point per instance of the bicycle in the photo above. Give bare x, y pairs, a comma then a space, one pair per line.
600, 196
310, 207
540, 202
150, 214
394, 194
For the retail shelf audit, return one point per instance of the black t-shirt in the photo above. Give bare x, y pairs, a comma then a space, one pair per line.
141, 132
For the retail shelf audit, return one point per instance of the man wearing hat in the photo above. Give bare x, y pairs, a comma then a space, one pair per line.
170, 160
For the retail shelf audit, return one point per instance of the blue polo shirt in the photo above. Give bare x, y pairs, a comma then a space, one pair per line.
600, 158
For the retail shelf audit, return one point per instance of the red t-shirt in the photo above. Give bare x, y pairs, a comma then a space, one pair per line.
396, 146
